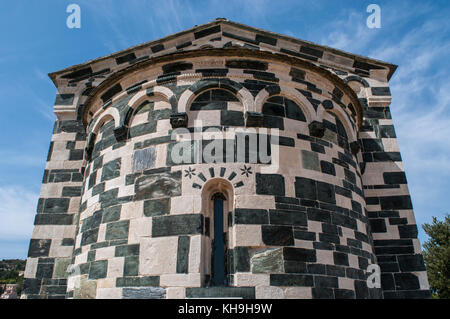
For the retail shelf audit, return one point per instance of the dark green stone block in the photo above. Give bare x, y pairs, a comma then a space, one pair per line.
305, 188
221, 292
91, 255
92, 180
288, 217
111, 214
326, 193
270, 184
98, 162
39, 247
59, 178
250, 216
127, 250
231, 118
68, 242
98, 189
150, 281
56, 205
89, 237
299, 254
71, 191
277, 235
98, 269
64, 99
157, 207
117, 230
31, 286
143, 129
177, 225
131, 266
76, 155
53, 219
44, 271
77, 177
310, 160
92, 222
183, 254
111, 170
241, 259
109, 196
287, 280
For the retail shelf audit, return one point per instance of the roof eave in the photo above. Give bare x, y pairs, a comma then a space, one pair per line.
392, 67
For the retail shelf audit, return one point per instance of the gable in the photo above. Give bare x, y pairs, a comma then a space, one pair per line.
224, 34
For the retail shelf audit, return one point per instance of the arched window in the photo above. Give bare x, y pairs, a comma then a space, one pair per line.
146, 115
218, 265
217, 203
215, 99
342, 136
283, 107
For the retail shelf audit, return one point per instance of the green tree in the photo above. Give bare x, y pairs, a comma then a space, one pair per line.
19, 286
437, 256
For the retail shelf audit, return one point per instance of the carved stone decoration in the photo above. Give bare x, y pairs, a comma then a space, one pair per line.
178, 120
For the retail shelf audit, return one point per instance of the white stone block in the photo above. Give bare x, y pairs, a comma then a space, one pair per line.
180, 280
158, 256
195, 254
246, 235
139, 227
115, 267
267, 292
176, 293
353, 261
251, 280
31, 268
298, 293
346, 283
105, 253
109, 293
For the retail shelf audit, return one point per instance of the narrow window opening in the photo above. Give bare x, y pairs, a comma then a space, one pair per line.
218, 262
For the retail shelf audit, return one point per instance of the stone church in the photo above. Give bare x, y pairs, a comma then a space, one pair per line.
225, 161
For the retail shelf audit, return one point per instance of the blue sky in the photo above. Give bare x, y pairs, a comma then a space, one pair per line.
35, 41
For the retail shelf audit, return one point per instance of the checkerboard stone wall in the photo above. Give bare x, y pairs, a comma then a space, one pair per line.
119, 217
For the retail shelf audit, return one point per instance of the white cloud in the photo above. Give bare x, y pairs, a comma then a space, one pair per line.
421, 98
17, 211
349, 34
